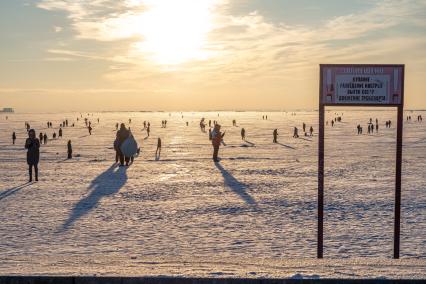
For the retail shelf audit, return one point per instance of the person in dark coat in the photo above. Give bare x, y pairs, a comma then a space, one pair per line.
243, 134
275, 136
122, 135
44, 138
158, 151
296, 133
217, 138
60, 132
69, 148
13, 138
32, 144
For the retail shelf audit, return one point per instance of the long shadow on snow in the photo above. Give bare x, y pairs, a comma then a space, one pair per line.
236, 186
287, 146
108, 183
13, 190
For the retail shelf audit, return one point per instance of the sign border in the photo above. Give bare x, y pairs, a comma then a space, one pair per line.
398, 168
402, 66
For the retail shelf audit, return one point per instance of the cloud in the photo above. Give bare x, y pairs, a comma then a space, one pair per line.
57, 29
235, 48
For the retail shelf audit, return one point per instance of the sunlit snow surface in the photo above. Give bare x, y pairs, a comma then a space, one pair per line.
259, 202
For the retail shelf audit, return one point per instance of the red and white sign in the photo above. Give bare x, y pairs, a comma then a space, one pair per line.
362, 84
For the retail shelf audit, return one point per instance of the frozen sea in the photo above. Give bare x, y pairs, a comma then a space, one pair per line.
253, 214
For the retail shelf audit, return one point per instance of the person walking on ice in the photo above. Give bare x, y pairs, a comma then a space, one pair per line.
296, 133
13, 138
69, 149
32, 144
121, 136
275, 135
243, 134
217, 138
158, 151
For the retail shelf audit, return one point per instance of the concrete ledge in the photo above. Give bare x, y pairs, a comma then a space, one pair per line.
173, 280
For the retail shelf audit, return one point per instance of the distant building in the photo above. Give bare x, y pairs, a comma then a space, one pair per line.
8, 110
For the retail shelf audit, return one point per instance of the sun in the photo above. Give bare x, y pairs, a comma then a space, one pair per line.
174, 32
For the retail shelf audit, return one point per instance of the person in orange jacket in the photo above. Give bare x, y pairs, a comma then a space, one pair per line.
217, 138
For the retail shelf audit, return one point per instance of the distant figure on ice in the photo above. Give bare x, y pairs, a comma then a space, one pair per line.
90, 129
332, 123
32, 144
158, 151
69, 149
311, 131
54, 135
13, 138
40, 137
275, 136
217, 138
202, 125
60, 132
148, 129
304, 127
122, 135
210, 134
45, 138
243, 134
296, 133
358, 127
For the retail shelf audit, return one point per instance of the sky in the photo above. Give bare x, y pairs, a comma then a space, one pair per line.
183, 55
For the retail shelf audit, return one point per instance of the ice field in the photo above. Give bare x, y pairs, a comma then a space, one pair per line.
256, 209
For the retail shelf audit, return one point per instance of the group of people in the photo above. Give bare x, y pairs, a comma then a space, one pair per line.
419, 118
216, 136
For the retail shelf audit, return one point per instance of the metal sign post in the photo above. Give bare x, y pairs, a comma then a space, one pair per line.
362, 85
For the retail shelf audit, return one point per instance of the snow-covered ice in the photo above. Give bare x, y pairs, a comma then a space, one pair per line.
254, 212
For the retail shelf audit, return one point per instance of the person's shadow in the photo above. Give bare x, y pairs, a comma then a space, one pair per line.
235, 185
13, 190
287, 146
107, 183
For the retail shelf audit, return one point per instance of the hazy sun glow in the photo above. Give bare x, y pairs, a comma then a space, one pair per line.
174, 32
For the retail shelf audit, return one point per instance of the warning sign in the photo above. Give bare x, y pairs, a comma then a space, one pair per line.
362, 84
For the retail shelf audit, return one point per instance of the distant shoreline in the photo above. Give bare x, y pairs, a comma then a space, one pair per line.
204, 111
